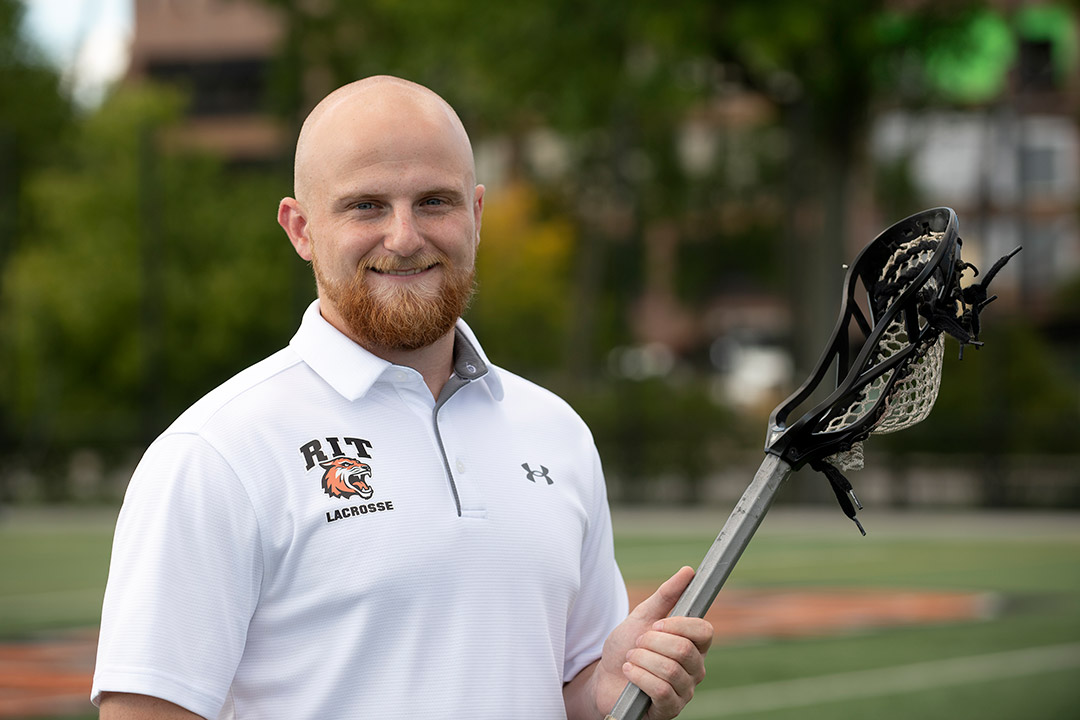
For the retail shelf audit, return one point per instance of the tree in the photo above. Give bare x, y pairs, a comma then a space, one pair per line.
150, 275
33, 117
610, 81
524, 299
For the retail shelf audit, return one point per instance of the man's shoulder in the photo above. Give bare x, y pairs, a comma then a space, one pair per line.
528, 395
254, 386
524, 388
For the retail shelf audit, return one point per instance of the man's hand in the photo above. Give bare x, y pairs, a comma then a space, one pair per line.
664, 656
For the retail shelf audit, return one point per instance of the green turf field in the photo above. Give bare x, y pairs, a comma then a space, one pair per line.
52, 568
1023, 662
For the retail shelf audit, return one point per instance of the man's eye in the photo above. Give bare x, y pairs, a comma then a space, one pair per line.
365, 206
434, 201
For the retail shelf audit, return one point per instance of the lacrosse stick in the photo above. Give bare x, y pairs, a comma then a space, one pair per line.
888, 358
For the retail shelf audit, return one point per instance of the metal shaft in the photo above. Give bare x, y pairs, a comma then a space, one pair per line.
717, 566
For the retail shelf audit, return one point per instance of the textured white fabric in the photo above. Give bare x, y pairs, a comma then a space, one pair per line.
466, 584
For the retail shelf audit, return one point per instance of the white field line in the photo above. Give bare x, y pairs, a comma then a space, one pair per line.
882, 681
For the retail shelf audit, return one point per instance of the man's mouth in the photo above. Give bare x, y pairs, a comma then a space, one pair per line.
403, 273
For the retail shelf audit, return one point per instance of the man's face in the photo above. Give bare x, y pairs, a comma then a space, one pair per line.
393, 221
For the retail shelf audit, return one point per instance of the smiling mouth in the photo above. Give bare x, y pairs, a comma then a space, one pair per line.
403, 273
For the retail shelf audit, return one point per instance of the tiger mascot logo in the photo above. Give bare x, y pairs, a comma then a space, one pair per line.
345, 477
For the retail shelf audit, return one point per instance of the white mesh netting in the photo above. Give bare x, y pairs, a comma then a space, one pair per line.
912, 396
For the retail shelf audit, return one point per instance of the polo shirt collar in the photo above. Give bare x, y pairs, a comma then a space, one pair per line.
351, 370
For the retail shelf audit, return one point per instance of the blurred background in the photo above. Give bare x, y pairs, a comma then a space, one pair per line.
673, 189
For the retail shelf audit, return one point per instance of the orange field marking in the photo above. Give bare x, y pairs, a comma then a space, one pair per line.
742, 614
52, 676
49, 676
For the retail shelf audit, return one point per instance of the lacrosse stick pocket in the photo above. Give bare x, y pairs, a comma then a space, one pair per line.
901, 296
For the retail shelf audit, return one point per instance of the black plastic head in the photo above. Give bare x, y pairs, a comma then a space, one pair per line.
910, 268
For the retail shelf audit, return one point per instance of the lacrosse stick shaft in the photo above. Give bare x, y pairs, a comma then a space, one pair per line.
717, 566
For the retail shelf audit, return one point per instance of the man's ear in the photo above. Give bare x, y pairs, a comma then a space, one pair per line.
478, 209
291, 218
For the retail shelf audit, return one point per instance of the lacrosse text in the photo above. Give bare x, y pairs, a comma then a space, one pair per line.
358, 510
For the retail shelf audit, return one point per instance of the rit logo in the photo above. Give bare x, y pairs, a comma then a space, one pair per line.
314, 454
533, 474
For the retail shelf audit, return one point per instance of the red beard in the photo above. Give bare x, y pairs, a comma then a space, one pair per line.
409, 320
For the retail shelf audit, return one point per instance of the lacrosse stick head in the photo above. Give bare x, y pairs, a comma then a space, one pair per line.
901, 294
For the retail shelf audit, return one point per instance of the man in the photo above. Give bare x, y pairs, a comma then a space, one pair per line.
375, 522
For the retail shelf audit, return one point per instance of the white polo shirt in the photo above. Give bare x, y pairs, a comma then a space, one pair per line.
318, 538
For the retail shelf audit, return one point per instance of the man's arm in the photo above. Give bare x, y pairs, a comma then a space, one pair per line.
129, 706
663, 656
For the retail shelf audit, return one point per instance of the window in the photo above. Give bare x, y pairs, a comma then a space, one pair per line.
216, 87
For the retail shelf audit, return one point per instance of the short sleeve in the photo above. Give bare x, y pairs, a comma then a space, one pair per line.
184, 579
602, 601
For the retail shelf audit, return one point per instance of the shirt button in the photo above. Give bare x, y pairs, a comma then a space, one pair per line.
401, 376
460, 466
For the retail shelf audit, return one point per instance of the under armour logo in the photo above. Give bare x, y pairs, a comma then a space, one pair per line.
533, 474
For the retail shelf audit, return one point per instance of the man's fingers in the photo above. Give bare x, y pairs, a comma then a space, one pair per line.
697, 630
664, 656
670, 656
668, 695
660, 603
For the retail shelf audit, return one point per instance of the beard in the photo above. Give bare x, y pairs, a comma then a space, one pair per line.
403, 318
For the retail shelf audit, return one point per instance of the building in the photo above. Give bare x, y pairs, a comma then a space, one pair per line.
219, 52
1009, 162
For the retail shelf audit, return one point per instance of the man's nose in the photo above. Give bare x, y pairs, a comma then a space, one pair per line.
403, 237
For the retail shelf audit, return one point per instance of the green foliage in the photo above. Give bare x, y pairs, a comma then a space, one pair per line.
615, 82
1067, 304
1011, 396
651, 429
618, 83
574, 82
149, 275
975, 67
34, 116
33, 111
144, 275
522, 271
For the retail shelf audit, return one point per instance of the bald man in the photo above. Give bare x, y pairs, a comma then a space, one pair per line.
376, 522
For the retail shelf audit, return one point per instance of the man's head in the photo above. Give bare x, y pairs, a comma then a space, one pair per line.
388, 211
